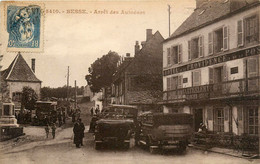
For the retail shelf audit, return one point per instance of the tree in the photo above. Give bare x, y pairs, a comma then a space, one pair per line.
102, 70
29, 98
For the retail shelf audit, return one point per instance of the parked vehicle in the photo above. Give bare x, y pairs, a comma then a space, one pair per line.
45, 113
165, 131
116, 125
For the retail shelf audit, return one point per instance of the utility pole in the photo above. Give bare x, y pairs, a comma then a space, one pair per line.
169, 11
75, 94
68, 79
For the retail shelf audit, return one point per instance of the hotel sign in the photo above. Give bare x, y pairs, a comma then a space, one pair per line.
215, 60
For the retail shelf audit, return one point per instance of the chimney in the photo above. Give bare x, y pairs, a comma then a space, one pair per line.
127, 55
149, 34
200, 2
33, 65
137, 47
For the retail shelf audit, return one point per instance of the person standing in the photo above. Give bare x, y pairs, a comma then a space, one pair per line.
47, 130
53, 128
91, 111
77, 134
82, 129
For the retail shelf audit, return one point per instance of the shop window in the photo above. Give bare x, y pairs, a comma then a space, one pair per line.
251, 29
219, 120
253, 120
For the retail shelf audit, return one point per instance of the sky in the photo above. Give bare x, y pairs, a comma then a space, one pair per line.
77, 40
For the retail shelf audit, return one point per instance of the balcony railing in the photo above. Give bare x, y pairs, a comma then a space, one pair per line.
233, 88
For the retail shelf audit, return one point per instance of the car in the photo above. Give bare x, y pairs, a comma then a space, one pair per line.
116, 125
165, 130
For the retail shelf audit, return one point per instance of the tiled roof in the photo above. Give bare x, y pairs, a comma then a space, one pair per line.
19, 71
207, 13
144, 97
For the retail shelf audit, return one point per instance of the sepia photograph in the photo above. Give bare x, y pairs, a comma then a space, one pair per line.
130, 81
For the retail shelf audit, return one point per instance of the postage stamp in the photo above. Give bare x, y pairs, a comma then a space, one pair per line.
24, 25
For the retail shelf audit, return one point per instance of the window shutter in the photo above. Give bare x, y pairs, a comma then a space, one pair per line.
168, 84
189, 50
172, 55
201, 46
211, 77
210, 41
225, 38
240, 35
196, 78
168, 56
180, 81
210, 113
180, 53
253, 70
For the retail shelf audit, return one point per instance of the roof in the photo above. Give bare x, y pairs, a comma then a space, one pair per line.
209, 12
19, 71
144, 97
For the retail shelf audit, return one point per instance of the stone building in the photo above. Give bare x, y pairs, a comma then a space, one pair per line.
211, 67
138, 80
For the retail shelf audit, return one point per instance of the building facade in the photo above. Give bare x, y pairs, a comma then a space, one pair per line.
138, 80
17, 76
211, 67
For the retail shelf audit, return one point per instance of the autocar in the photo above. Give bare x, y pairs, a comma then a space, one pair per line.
165, 130
116, 126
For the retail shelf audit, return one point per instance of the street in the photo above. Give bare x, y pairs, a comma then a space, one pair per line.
62, 150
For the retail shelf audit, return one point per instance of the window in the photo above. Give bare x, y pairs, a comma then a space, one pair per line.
196, 48
221, 40
240, 40
253, 120
219, 120
233, 70
196, 78
7, 110
17, 96
176, 54
251, 29
168, 56
174, 83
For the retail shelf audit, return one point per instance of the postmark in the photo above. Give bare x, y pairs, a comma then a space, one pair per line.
24, 25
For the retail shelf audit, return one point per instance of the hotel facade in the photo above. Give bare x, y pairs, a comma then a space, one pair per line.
211, 67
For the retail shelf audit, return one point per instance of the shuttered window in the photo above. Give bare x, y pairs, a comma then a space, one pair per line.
252, 67
251, 29
210, 41
196, 78
225, 38
240, 36
174, 83
201, 46
168, 56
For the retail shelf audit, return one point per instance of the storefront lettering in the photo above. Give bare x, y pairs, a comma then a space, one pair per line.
215, 60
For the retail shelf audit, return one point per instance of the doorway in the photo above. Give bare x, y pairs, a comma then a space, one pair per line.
198, 118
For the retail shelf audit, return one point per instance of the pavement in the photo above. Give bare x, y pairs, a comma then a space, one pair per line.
226, 151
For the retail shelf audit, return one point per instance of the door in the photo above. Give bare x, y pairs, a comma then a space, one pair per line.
198, 118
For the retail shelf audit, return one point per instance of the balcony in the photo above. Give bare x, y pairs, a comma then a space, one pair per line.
227, 89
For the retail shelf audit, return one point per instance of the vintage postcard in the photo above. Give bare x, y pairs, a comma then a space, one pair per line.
130, 82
